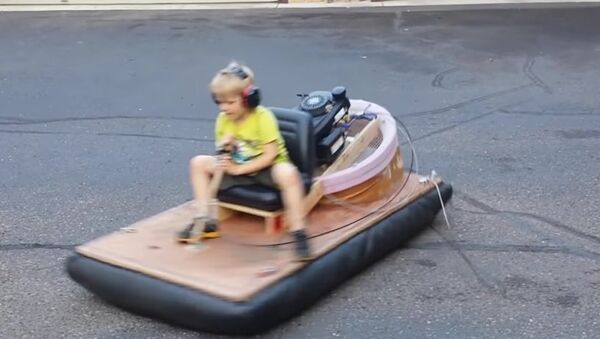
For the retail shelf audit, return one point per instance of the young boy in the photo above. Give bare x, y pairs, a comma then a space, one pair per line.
255, 149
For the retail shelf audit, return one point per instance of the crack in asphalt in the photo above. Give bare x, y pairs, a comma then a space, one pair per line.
445, 129
35, 246
479, 274
554, 223
528, 70
535, 113
510, 248
152, 136
35, 132
22, 121
467, 102
11, 119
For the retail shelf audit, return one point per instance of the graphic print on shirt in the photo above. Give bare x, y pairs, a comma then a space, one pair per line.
244, 151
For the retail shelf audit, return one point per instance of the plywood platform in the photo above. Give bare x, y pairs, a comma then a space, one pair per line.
245, 260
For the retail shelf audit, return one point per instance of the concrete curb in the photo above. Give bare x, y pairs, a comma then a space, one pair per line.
409, 4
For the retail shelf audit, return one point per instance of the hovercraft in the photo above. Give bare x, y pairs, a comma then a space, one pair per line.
361, 204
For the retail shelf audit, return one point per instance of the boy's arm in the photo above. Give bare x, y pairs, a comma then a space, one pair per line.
261, 162
218, 131
222, 140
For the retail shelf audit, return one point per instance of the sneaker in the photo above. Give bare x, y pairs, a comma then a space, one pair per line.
302, 248
186, 234
211, 230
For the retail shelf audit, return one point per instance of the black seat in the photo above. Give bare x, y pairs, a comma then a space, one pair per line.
296, 127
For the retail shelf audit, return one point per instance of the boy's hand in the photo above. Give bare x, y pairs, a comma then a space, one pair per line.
227, 143
228, 166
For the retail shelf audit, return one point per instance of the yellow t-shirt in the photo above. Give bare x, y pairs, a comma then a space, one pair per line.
259, 128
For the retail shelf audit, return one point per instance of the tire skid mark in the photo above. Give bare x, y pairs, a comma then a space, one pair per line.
439, 78
468, 102
528, 70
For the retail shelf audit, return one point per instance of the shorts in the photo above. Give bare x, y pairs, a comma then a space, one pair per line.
262, 177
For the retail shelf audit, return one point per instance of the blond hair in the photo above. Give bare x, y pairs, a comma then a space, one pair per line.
231, 80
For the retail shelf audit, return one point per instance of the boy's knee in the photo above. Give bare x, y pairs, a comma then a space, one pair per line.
287, 174
200, 163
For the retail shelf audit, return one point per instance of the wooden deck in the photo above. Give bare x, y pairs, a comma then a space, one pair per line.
245, 260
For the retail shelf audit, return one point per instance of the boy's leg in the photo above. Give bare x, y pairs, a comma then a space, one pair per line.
289, 181
201, 169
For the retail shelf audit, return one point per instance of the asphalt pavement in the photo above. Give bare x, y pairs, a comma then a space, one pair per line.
100, 112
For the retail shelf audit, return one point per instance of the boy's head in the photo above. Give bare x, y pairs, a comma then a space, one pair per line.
233, 90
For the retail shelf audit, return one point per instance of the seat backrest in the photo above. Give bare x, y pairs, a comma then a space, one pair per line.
297, 130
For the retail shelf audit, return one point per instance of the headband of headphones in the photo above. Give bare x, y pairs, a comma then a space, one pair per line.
250, 94
237, 71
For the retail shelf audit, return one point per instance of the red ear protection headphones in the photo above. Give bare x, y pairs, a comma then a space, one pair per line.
250, 94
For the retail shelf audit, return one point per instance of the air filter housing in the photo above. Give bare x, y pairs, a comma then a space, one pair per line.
316, 103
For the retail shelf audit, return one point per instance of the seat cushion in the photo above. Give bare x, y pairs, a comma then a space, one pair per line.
257, 196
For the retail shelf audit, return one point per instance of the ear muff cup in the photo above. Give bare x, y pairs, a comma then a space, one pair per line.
251, 95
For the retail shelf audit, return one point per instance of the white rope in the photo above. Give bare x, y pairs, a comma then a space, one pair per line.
433, 173
431, 179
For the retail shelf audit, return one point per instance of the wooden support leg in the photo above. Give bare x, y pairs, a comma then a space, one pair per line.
275, 224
